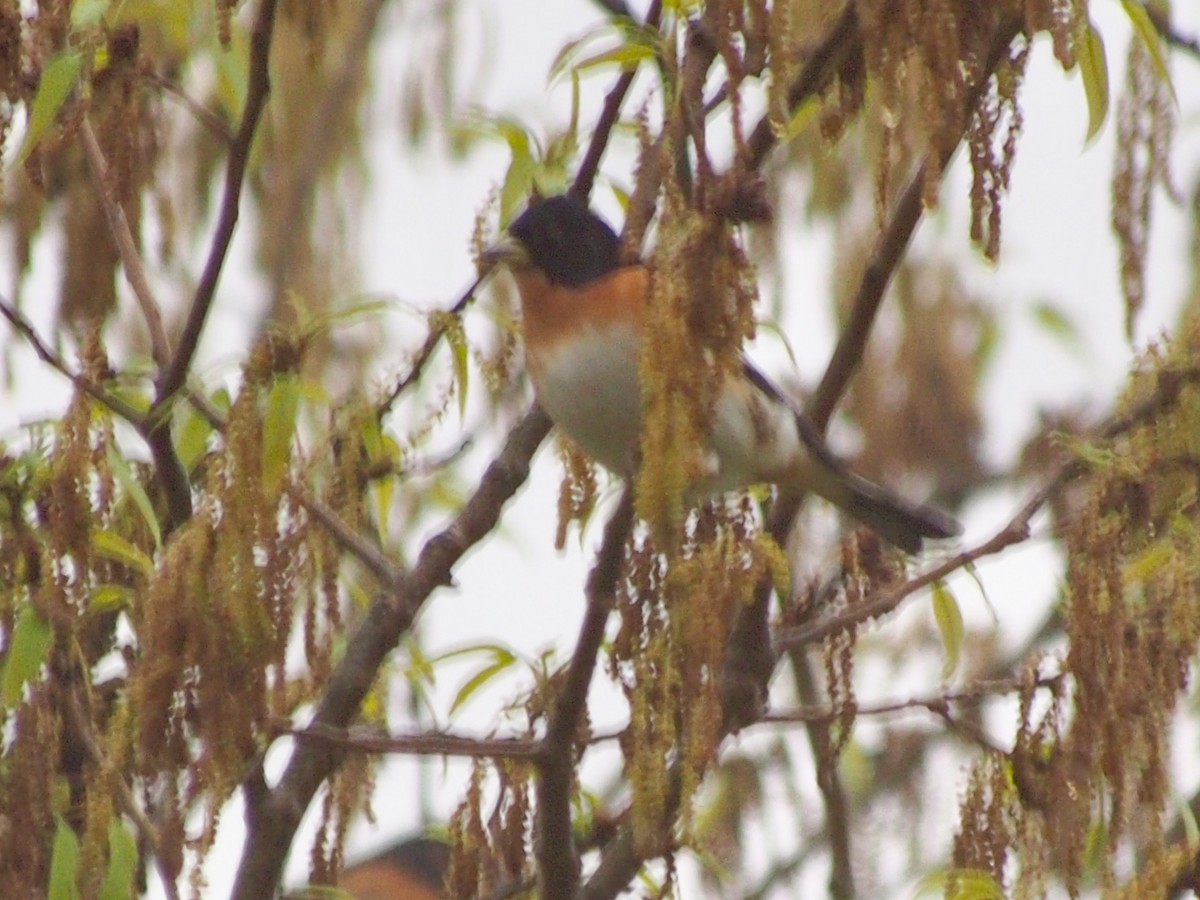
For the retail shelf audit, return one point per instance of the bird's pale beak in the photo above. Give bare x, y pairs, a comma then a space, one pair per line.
507, 251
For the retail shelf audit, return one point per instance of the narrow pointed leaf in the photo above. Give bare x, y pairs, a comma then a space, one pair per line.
27, 648
58, 78
950, 625
1093, 67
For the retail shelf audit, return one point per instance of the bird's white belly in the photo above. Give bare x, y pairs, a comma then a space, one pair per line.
589, 386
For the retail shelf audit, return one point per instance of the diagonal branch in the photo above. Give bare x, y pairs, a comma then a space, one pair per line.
557, 860
118, 225
1014, 532
25, 328
274, 814
258, 87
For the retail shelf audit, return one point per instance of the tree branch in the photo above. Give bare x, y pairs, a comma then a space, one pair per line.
118, 226
1014, 532
557, 861
432, 744
273, 814
25, 329
257, 89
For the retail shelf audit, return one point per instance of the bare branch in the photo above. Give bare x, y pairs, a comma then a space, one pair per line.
131, 260
257, 89
585, 176
25, 328
841, 40
390, 574
889, 250
436, 332
273, 814
206, 117
933, 702
554, 847
1166, 29
1016, 531
432, 744
615, 8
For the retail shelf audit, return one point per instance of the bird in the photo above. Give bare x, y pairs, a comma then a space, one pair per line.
582, 315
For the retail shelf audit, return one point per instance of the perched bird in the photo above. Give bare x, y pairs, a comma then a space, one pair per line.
582, 316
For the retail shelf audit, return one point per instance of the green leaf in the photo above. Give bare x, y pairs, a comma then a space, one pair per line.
517, 181
122, 863
501, 658
1144, 28
1187, 819
64, 864
85, 13
192, 441
112, 546
457, 338
57, 81
279, 424
27, 649
108, 597
950, 625
135, 492
384, 488
232, 62
960, 884
625, 57
1056, 323
478, 681
1093, 66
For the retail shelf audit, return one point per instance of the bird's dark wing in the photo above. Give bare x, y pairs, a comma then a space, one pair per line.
813, 442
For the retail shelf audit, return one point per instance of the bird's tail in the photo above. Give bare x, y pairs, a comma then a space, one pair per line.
901, 522
815, 467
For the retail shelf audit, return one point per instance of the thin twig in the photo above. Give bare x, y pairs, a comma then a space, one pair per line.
977, 691
554, 848
819, 69
431, 744
889, 250
585, 176
1162, 23
371, 740
436, 332
25, 328
390, 574
118, 226
257, 88
202, 114
615, 8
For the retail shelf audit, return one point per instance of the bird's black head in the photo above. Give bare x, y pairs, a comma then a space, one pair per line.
566, 240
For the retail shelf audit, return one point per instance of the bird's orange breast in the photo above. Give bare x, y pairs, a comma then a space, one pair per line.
582, 350
551, 312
